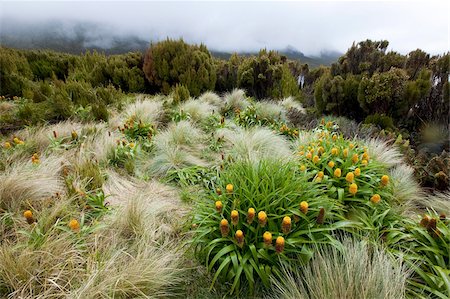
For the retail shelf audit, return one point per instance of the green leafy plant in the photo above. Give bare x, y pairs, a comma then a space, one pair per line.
261, 214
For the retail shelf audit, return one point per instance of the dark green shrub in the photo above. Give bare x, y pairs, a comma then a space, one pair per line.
100, 111
380, 120
171, 62
180, 93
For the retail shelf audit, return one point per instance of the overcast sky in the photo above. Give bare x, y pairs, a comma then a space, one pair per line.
243, 26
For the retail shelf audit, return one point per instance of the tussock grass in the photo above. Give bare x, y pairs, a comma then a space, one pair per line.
254, 144
198, 110
270, 110
291, 103
405, 186
439, 202
24, 183
358, 271
177, 147
236, 100
383, 152
211, 98
147, 111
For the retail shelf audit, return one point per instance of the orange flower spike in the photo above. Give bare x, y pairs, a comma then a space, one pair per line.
355, 158
357, 172
337, 172
251, 215
304, 207
224, 227
219, 206
315, 159
320, 174
331, 164
286, 225
230, 188
74, 225
345, 153
350, 177
353, 189
28, 214
334, 151
309, 155
365, 156
384, 180
234, 217
375, 198
267, 237
364, 162
262, 218
219, 191
239, 238
279, 244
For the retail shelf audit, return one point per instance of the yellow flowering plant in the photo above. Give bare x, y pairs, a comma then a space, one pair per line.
273, 214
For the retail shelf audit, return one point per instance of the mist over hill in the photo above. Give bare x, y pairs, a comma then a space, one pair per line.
78, 37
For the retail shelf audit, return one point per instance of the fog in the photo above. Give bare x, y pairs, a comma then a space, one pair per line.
310, 27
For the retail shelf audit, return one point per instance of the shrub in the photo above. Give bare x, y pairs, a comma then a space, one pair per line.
382, 121
180, 94
259, 219
171, 62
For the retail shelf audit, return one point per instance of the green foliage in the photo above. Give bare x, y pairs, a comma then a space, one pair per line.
171, 62
277, 189
180, 93
424, 247
382, 92
382, 121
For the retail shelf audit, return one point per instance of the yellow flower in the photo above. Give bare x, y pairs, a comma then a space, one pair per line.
279, 244
357, 172
384, 180
345, 153
74, 225
334, 137
329, 124
229, 188
351, 145
331, 164
262, 218
304, 207
320, 174
309, 155
16, 140
355, 158
321, 150
375, 198
131, 145
353, 189
219, 191
337, 172
224, 227
365, 156
303, 168
334, 151
267, 236
28, 214
234, 217
286, 224
364, 162
350, 177
318, 179
239, 237
250, 215
7, 145
301, 153
315, 159
219, 206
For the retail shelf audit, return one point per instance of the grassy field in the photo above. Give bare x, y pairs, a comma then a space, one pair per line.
215, 197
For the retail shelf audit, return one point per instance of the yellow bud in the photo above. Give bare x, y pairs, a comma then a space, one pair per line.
353, 189
384, 180
337, 172
350, 177
229, 188
234, 217
219, 206
286, 224
315, 159
267, 236
320, 174
74, 225
250, 215
334, 151
262, 218
357, 172
304, 207
279, 244
355, 158
331, 164
375, 198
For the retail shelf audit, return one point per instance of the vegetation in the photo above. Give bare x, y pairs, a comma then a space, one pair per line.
109, 192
